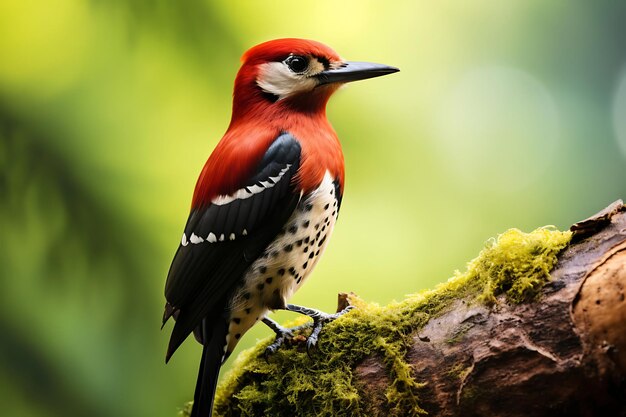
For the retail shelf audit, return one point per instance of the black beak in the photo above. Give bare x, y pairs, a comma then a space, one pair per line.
354, 71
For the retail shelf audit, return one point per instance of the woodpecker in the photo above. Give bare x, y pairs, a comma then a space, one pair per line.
264, 205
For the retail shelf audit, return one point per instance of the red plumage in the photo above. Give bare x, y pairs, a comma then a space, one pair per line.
278, 49
256, 122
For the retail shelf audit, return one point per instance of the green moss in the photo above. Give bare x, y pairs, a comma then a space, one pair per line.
458, 333
515, 264
459, 371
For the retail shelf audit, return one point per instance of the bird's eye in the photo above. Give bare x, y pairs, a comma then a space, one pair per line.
297, 63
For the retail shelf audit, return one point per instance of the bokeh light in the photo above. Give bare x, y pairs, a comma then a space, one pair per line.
499, 128
619, 112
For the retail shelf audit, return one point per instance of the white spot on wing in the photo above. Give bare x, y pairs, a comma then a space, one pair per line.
211, 238
232, 236
195, 239
255, 189
245, 232
249, 191
183, 240
221, 239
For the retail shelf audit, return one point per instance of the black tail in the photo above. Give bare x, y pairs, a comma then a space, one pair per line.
214, 336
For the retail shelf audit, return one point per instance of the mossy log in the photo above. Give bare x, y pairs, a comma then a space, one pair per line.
536, 326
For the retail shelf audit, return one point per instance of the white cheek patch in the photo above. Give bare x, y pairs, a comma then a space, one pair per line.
276, 78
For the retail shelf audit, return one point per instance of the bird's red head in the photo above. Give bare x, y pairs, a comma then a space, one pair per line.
287, 75
279, 75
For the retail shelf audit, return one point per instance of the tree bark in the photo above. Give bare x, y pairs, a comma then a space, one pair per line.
563, 355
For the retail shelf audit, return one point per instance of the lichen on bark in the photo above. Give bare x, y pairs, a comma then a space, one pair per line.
291, 382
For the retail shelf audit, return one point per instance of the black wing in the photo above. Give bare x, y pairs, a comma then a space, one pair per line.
222, 239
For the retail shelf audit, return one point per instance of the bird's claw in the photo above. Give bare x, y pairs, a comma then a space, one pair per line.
320, 319
311, 341
344, 311
282, 334
278, 342
318, 324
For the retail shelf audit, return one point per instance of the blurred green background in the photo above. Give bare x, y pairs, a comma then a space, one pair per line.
506, 114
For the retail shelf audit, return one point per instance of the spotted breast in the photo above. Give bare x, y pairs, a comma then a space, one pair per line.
286, 263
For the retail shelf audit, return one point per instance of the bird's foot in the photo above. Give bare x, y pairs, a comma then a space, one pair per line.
320, 319
282, 334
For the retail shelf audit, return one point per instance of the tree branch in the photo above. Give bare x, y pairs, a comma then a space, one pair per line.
535, 326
